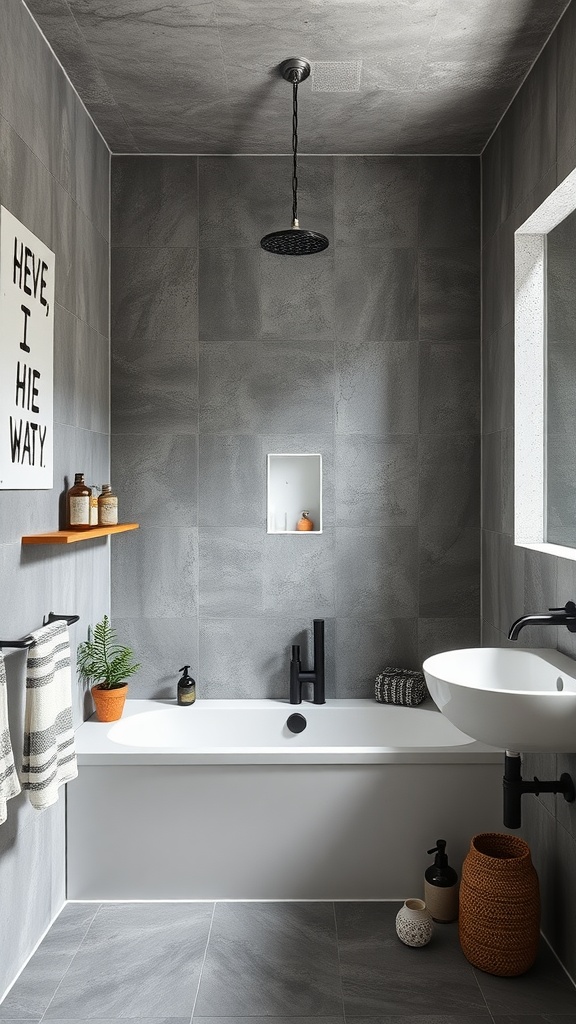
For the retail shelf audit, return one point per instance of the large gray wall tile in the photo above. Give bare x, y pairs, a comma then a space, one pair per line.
153, 293
231, 481
376, 480
376, 571
250, 657
156, 478
376, 201
298, 573
161, 646
263, 387
156, 576
231, 563
376, 385
364, 646
449, 483
449, 571
449, 202
449, 388
242, 199
376, 293
449, 297
155, 201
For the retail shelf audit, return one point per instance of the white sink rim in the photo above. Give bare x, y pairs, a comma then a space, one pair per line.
534, 715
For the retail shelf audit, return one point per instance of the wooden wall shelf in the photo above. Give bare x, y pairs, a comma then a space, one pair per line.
73, 536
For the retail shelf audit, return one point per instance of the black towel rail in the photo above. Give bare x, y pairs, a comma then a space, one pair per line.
27, 641
52, 617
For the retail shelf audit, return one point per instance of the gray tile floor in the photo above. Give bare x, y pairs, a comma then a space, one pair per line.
294, 963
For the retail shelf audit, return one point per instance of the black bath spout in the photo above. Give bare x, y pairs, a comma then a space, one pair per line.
565, 616
514, 786
316, 676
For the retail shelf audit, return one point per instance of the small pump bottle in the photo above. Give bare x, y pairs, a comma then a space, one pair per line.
79, 504
441, 886
186, 688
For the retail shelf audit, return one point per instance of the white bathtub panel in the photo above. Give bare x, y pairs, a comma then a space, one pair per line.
271, 831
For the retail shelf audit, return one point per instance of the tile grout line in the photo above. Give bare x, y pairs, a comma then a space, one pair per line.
339, 962
80, 944
474, 972
203, 961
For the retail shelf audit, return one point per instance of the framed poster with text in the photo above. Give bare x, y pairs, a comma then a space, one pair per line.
26, 357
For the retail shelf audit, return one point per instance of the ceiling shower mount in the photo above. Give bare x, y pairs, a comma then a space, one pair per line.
295, 69
294, 241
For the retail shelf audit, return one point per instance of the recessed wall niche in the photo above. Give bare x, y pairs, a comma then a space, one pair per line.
294, 487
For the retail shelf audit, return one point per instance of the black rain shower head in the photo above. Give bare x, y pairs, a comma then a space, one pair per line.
294, 241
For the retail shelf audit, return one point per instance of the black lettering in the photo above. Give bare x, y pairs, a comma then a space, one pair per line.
17, 263
43, 299
15, 438
26, 445
35, 273
21, 384
34, 389
33, 428
42, 438
27, 272
23, 344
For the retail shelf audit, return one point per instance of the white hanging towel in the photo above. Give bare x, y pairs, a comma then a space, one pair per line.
49, 758
9, 785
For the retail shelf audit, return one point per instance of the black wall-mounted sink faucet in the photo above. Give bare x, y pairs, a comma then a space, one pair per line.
565, 616
316, 675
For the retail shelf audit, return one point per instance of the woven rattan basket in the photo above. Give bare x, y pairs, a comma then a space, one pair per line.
499, 919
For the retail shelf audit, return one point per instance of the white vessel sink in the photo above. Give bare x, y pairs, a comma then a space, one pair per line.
522, 700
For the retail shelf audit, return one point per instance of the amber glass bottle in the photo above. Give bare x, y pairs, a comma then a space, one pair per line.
79, 504
107, 507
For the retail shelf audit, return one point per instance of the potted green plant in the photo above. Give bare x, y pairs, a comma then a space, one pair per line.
101, 658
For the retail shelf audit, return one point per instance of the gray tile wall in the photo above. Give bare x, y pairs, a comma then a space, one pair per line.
54, 177
533, 149
367, 353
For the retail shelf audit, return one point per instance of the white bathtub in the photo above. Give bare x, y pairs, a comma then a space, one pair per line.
222, 801
255, 732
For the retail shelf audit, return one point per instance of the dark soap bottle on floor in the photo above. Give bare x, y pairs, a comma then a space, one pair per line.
186, 688
441, 886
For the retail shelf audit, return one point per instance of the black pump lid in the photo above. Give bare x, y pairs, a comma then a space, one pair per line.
440, 872
186, 678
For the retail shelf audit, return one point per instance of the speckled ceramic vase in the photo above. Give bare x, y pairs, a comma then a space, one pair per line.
414, 923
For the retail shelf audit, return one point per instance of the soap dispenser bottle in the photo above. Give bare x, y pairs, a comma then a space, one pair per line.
186, 687
441, 886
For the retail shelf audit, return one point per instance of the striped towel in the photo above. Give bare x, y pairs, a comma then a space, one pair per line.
9, 785
49, 758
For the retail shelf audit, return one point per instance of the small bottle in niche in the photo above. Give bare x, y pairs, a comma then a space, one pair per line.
305, 523
93, 505
441, 886
107, 507
79, 504
186, 687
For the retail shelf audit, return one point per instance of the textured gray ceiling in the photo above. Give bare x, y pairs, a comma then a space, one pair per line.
197, 76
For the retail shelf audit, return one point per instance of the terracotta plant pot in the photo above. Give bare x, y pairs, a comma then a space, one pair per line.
499, 922
109, 704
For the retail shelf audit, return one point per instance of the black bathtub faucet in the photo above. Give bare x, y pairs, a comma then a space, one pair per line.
565, 616
316, 675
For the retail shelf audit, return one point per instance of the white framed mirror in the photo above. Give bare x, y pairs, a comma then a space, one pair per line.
545, 375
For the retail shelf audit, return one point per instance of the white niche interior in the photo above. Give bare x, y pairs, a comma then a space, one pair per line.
294, 485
